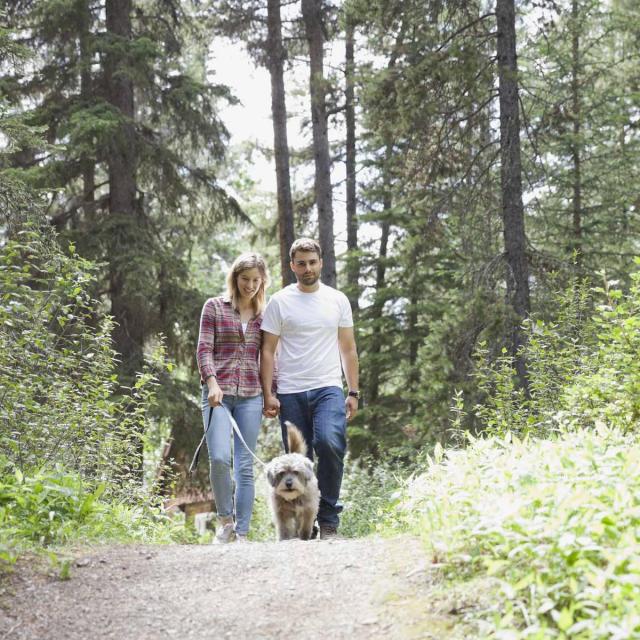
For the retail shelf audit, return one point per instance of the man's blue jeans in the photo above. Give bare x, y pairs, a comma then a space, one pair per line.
321, 416
247, 412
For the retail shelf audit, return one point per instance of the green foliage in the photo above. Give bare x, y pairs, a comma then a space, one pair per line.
548, 531
367, 489
582, 367
579, 100
57, 369
547, 528
50, 508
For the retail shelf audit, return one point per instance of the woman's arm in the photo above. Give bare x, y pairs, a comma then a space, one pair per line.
267, 359
204, 354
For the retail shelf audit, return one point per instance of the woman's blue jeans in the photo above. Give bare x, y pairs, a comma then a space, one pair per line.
247, 412
321, 416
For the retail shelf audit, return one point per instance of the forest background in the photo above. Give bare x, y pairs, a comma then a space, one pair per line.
467, 187
471, 170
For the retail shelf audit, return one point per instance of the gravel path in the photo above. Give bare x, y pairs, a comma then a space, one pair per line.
356, 589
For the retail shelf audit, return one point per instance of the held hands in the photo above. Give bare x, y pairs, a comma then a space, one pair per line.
351, 405
271, 406
215, 393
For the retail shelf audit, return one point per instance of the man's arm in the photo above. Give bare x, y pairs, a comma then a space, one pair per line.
349, 355
267, 358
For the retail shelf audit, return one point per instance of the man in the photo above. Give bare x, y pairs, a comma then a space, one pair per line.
313, 325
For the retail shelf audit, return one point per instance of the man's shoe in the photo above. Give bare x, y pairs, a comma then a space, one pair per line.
328, 532
225, 533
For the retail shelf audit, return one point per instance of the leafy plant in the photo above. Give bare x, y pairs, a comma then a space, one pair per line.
368, 487
59, 399
50, 508
582, 367
547, 530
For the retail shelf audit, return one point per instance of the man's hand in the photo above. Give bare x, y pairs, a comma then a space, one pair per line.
215, 394
271, 406
351, 405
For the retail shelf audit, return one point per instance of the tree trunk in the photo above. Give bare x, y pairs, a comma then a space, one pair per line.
511, 179
375, 364
312, 15
86, 93
373, 388
128, 334
377, 334
353, 270
575, 143
276, 56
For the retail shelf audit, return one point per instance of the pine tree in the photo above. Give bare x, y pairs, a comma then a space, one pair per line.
132, 175
315, 29
511, 180
581, 68
275, 56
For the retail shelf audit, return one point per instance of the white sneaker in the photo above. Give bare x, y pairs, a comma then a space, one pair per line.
225, 533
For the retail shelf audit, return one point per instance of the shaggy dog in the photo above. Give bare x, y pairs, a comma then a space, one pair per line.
295, 496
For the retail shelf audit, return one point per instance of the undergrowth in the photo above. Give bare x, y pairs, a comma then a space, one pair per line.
551, 528
538, 520
47, 510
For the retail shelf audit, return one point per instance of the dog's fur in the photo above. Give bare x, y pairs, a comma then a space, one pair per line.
295, 496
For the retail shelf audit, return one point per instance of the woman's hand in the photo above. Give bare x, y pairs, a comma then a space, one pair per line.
271, 406
215, 392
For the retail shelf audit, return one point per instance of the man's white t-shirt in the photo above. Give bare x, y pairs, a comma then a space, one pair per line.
307, 325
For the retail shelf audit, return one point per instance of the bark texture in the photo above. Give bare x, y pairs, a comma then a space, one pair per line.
576, 105
276, 56
511, 178
353, 270
312, 13
128, 334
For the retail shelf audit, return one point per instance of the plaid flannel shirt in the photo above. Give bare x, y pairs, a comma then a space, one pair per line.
226, 352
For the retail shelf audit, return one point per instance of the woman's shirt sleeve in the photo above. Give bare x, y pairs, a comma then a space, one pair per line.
206, 341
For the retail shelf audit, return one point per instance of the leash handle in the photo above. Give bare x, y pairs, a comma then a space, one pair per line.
196, 456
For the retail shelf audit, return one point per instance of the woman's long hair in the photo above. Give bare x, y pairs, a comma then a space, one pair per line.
242, 263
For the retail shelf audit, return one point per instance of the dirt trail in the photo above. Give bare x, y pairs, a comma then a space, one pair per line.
356, 589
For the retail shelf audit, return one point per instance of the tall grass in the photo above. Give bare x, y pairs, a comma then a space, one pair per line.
551, 529
538, 521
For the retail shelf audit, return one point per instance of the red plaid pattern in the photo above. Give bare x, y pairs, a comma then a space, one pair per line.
225, 352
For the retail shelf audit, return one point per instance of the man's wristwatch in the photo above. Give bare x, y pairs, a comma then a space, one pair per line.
354, 394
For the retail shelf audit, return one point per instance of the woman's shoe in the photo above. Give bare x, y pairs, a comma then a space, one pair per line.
225, 533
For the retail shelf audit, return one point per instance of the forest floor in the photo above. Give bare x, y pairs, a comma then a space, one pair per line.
358, 588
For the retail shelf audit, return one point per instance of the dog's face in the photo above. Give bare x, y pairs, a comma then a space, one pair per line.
289, 475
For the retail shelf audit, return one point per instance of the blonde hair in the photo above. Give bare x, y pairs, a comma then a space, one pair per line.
244, 262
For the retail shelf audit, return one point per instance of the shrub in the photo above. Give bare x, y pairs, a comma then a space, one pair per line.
548, 531
368, 487
53, 507
57, 370
582, 367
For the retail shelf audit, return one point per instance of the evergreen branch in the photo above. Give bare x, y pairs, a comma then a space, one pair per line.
456, 33
77, 203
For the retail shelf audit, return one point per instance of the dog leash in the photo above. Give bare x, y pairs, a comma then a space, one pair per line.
234, 425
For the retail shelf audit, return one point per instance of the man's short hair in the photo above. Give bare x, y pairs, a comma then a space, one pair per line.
305, 244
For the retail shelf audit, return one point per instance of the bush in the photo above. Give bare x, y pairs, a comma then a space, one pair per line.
57, 370
368, 487
582, 368
53, 507
548, 531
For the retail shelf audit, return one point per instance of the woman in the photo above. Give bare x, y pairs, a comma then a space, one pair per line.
228, 351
